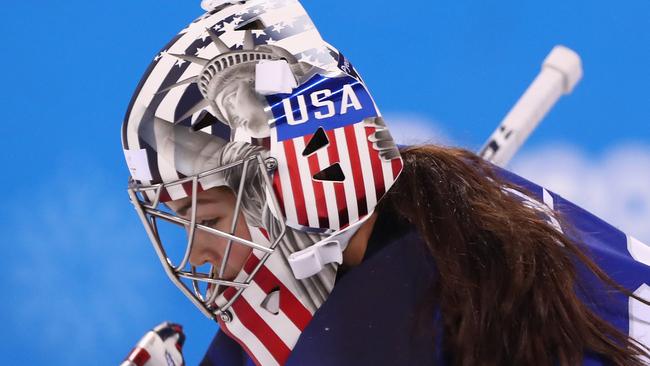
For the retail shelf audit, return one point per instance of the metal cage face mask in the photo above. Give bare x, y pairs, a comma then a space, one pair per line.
204, 288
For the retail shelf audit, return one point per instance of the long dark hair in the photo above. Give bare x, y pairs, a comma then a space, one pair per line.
507, 280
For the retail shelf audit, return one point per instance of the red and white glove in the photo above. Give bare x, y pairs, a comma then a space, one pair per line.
162, 346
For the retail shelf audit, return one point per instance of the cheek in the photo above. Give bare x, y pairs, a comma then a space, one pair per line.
238, 256
239, 252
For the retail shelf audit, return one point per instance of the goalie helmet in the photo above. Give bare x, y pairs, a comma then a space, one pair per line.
250, 97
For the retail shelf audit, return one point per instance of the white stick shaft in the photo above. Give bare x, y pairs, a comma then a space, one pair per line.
561, 71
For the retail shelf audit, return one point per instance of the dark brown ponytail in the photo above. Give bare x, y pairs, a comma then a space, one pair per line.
506, 278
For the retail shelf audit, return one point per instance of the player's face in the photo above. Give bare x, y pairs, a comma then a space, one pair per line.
215, 208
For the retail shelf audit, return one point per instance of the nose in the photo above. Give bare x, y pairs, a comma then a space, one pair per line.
203, 249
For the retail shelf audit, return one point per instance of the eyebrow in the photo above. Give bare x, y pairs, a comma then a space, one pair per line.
183, 209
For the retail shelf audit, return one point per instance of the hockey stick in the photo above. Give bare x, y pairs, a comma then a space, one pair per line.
561, 72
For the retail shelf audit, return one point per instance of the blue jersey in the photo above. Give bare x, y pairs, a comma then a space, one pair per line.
378, 312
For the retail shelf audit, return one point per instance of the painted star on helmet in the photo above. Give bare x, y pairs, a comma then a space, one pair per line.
160, 55
229, 27
279, 27
200, 50
259, 33
180, 63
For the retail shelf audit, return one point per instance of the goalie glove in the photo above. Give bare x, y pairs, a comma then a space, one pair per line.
162, 346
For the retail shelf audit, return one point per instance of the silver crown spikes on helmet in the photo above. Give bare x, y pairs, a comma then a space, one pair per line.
228, 62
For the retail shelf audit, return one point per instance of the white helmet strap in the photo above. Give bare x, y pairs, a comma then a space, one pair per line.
313, 259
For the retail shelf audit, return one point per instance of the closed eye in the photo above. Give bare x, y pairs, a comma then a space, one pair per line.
209, 222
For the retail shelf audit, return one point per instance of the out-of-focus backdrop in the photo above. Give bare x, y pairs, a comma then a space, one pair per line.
81, 283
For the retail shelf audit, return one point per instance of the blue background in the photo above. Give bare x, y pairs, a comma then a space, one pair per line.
81, 284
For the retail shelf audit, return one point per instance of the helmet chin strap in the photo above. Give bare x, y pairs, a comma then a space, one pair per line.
313, 259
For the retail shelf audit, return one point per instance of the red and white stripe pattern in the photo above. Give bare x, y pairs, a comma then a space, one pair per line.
332, 205
268, 338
